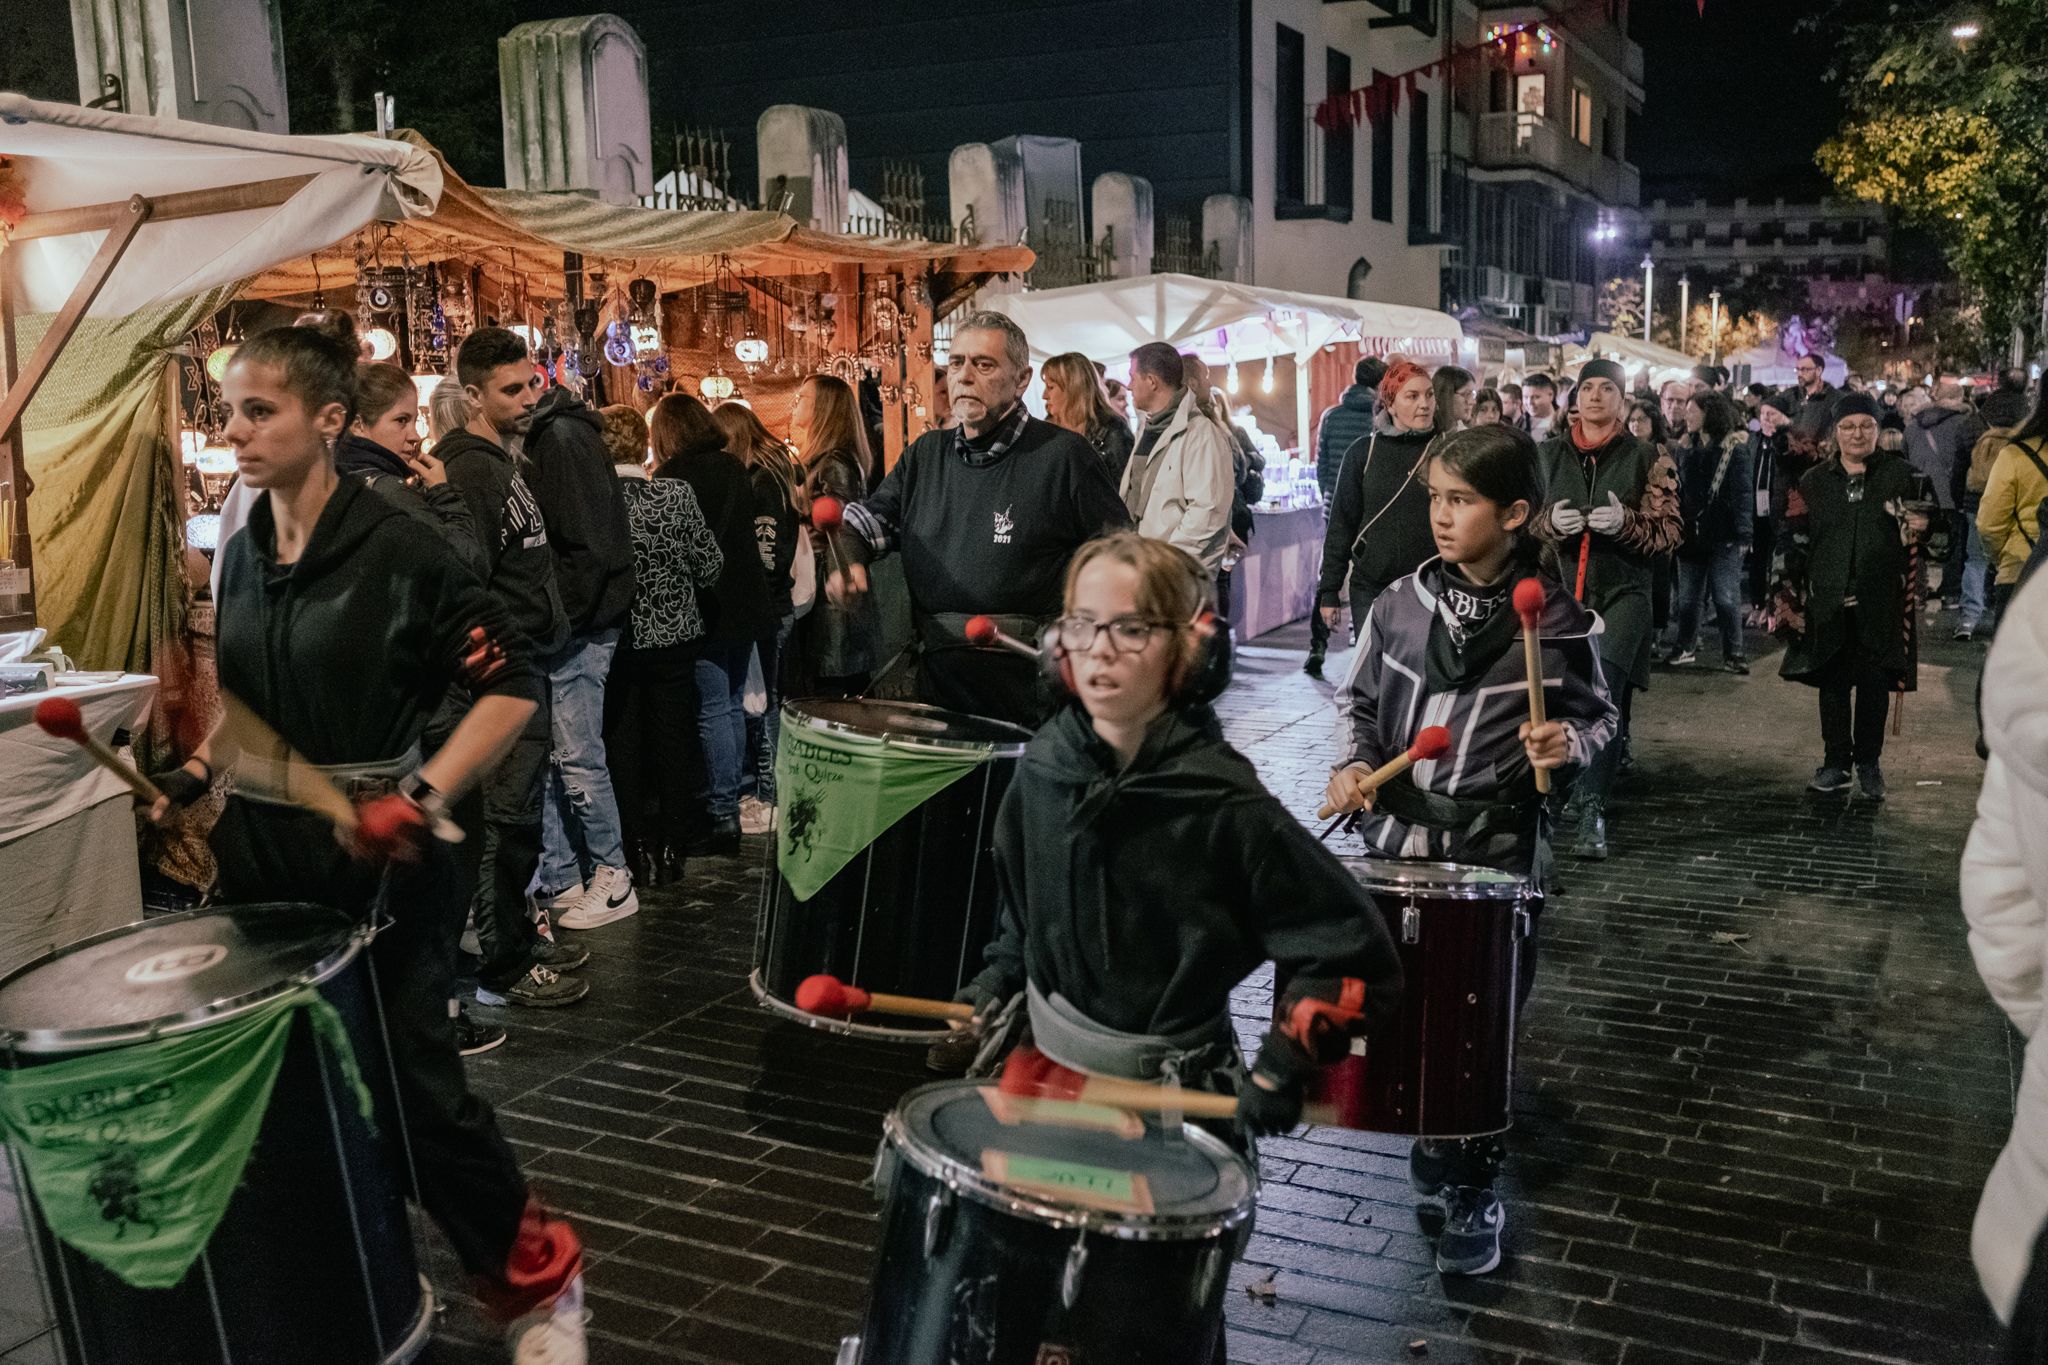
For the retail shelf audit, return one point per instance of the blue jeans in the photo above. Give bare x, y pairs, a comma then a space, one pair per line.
720, 668
580, 817
1720, 573
764, 732
1976, 566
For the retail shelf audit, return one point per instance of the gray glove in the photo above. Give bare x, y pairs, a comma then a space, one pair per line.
1607, 520
1568, 519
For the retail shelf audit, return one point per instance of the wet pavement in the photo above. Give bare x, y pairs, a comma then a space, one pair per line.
1759, 1087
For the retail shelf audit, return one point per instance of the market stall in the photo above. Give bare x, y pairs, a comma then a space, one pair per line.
1637, 357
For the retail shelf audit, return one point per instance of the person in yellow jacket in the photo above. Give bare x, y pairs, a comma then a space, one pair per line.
2009, 518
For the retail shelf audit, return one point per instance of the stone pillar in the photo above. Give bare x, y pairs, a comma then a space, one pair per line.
213, 61
574, 93
1227, 221
803, 156
1120, 210
986, 190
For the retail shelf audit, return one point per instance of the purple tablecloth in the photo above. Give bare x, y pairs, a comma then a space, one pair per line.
1275, 582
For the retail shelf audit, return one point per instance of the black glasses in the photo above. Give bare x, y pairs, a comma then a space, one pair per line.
1127, 634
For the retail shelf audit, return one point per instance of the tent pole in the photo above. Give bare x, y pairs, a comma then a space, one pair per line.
164, 208
14, 503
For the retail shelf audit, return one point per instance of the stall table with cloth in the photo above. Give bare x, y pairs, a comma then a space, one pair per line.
67, 826
1275, 582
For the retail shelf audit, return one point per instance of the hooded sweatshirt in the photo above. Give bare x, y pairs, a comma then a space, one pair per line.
518, 566
1938, 442
347, 652
1379, 521
1143, 896
570, 472
361, 458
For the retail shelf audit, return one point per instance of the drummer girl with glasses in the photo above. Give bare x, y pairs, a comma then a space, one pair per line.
344, 616
1144, 871
1442, 647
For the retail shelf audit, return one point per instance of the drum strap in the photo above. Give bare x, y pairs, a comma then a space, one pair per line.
1079, 1043
1475, 820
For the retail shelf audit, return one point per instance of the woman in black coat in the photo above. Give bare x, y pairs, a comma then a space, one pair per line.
835, 643
1716, 505
1379, 519
737, 610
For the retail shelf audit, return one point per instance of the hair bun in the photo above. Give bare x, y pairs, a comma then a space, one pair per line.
334, 324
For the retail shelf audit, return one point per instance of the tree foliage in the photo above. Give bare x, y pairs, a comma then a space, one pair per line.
1952, 134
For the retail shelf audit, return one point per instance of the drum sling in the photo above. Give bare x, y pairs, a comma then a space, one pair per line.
1204, 1057
134, 1153
266, 779
1491, 833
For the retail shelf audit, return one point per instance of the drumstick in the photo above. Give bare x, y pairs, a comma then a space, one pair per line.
833, 998
983, 630
1061, 1083
1529, 606
1432, 742
61, 717
260, 758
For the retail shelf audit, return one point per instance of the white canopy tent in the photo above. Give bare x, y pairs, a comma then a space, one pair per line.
1634, 354
109, 216
1221, 321
1770, 365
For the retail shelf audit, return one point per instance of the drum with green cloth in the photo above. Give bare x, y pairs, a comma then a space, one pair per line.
883, 873
199, 1119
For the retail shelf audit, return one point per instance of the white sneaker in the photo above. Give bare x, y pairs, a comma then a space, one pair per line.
609, 897
552, 1335
756, 817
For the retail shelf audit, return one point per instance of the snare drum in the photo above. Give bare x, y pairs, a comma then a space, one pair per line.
910, 913
312, 1262
1442, 1067
1018, 1231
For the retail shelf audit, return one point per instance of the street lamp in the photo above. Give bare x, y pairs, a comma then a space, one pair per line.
1684, 306
1714, 337
1649, 298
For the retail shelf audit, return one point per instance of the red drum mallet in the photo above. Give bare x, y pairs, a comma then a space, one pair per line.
834, 999
983, 630
1529, 606
60, 716
1432, 742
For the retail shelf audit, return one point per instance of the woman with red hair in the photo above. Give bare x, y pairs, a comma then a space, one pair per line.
1379, 517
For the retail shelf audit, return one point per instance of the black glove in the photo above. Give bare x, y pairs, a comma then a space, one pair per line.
180, 786
1285, 1066
1322, 1014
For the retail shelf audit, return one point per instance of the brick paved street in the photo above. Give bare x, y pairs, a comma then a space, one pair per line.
1764, 1151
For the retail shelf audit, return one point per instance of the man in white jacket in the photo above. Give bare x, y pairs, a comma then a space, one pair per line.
2005, 896
1183, 471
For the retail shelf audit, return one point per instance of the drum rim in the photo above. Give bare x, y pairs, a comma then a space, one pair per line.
1514, 888
51, 1042
993, 748
968, 1181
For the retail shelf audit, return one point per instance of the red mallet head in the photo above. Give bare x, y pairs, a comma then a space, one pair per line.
827, 513
61, 717
829, 997
1433, 742
1529, 600
981, 630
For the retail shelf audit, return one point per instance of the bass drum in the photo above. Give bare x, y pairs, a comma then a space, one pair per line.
911, 913
313, 1261
1017, 1231
1443, 1066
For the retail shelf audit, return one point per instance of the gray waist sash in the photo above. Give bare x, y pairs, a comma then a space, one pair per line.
1079, 1043
268, 779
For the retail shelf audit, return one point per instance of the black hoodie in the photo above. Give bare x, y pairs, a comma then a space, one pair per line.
1144, 896
347, 652
362, 458
518, 566
570, 472
1379, 520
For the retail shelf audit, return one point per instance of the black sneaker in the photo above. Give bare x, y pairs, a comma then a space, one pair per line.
1429, 1166
472, 1037
560, 957
1738, 666
1829, 781
1470, 1244
1965, 633
1314, 666
1869, 782
539, 989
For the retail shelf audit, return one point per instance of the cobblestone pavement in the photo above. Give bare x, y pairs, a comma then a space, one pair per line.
1763, 1150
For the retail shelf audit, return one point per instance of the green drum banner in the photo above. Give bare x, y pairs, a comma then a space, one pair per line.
839, 792
134, 1152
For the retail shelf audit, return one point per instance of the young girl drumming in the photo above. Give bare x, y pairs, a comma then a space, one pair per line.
1145, 872
344, 616
1441, 647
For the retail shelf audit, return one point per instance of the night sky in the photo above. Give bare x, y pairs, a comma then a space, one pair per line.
1733, 102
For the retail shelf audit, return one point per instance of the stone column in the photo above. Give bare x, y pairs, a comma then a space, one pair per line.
211, 61
1120, 210
574, 93
803, 156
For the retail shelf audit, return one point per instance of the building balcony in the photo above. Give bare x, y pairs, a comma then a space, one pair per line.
1532, 142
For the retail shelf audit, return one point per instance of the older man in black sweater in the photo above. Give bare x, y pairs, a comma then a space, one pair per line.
986, 515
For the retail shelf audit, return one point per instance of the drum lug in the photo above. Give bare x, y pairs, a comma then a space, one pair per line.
849, 1351
938, 1219
1411, 924
1070, 1277
1522, 923
884, 1174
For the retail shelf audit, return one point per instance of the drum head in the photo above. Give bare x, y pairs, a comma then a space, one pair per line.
1140, 1179
909, 723
1448, 881
165, 975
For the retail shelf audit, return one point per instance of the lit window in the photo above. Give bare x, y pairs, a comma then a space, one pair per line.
1582, 115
